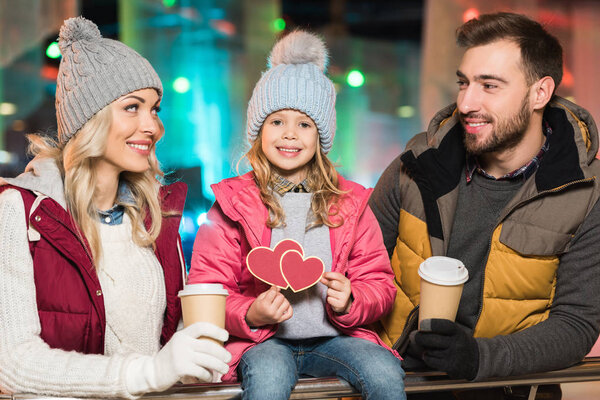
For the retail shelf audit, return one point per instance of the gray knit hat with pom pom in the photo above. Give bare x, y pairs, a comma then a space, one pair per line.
94, 72
295, 80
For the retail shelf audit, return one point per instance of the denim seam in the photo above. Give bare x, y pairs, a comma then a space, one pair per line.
299, 359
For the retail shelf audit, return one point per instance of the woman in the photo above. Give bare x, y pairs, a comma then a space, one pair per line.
90, 257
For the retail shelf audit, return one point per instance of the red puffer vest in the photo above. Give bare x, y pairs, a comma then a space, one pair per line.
69, 297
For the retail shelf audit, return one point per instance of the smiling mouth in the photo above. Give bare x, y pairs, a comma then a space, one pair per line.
475, 120
143, 147
288, 150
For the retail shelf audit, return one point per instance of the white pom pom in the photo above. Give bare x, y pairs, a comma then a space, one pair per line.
75, 29
299, 47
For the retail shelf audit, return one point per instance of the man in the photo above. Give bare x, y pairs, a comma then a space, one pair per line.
504, 180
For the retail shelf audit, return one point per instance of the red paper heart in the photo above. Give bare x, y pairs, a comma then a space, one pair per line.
265, 264
301, 273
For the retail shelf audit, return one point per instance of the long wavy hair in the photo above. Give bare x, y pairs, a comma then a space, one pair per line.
321, 178
77, 160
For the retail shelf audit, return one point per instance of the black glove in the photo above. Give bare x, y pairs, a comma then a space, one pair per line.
412, 359
447, 347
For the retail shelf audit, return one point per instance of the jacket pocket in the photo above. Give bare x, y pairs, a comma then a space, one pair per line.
64, 330
530, 240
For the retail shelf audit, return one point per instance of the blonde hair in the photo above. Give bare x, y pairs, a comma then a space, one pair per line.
77, 160
321, 179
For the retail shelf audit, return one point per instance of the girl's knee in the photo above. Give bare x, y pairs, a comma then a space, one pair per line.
387, 365
269, 365
268, 379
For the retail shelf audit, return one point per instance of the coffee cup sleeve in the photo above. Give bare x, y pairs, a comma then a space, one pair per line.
425, 325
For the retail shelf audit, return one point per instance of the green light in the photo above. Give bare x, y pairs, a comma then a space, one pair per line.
406, 111
279, 24
53, 51
169, 3
355, 78
181, 85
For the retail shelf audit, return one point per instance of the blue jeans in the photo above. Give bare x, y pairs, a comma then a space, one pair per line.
270, 370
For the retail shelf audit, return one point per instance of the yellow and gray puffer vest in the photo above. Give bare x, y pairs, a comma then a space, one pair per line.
535, 228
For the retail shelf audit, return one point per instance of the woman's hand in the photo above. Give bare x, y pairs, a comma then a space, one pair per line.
189, 353
270, 307
339, 292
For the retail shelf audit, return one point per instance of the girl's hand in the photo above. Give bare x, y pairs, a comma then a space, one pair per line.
339, 292
270, 307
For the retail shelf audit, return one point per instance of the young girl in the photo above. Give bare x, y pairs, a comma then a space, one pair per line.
90, 261
295, 193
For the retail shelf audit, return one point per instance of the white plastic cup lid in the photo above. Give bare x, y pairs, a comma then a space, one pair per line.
445, 271
203, 288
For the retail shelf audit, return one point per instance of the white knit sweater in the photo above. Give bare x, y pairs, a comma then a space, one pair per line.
134, 294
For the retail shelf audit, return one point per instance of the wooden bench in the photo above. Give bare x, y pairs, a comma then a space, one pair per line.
416, 382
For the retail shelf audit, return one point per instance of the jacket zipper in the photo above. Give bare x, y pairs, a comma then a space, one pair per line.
406, 330
545, 192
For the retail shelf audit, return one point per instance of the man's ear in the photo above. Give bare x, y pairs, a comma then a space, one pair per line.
542, 92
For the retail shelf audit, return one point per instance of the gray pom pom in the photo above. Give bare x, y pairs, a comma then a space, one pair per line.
75, 29
299, 47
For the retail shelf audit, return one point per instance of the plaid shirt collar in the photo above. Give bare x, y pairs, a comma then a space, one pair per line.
525, 171
282, 186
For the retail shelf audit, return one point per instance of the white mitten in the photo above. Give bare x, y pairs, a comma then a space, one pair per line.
184, 355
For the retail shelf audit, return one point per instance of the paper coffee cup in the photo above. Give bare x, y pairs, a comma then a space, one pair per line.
442, 280
203, 302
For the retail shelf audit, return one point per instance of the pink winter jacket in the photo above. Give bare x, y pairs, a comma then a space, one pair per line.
236, 224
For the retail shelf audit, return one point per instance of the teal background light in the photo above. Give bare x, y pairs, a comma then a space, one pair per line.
181, 84
355, 78
203, 67
53, 51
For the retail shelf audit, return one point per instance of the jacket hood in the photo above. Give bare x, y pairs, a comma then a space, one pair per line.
41, 175
584, 127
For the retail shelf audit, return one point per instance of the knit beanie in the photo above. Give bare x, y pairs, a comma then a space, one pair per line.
295, 80
94, 72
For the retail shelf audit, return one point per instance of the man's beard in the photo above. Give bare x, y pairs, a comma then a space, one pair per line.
508, 133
